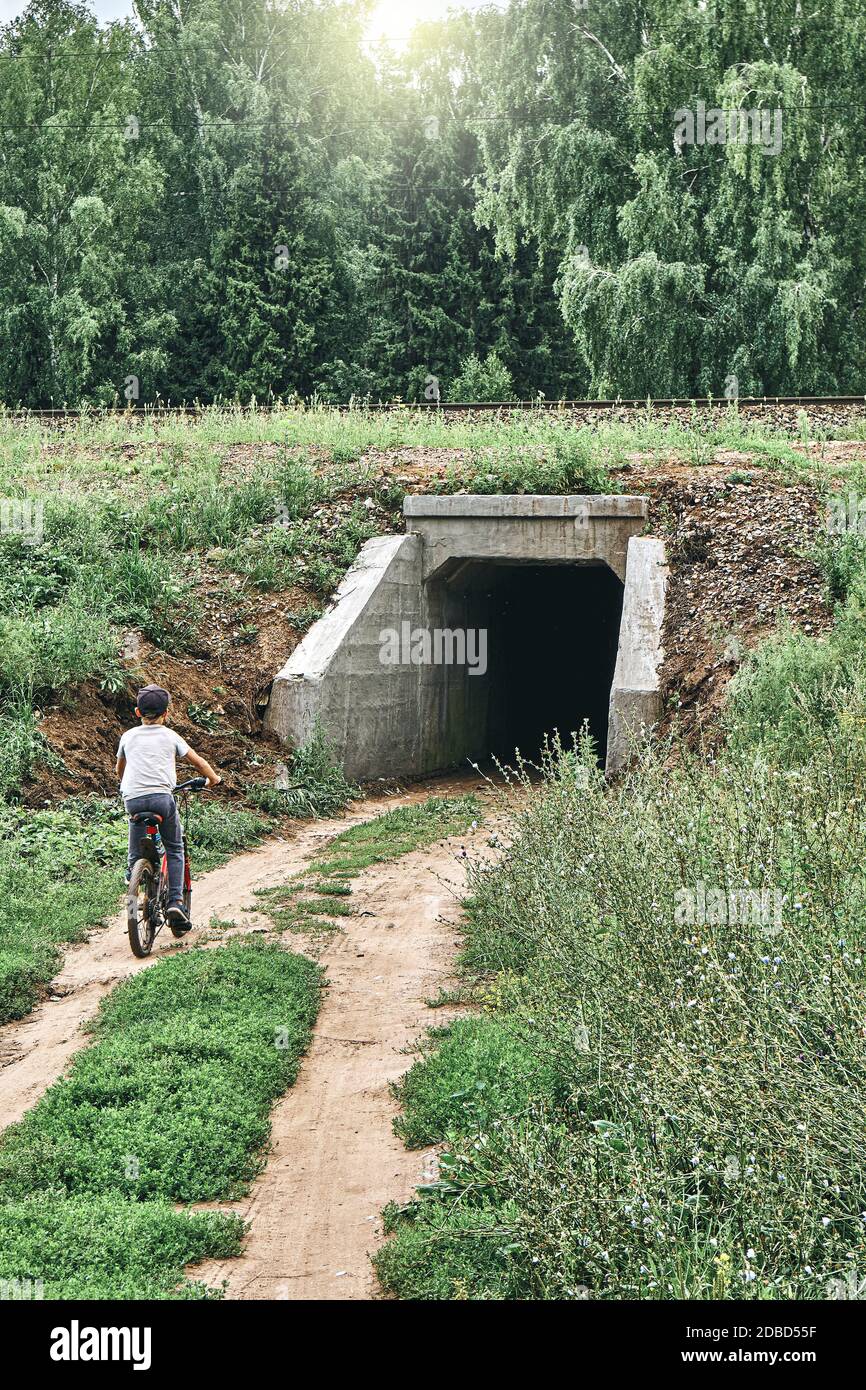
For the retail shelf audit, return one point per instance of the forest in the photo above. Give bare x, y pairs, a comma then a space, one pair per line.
227, 200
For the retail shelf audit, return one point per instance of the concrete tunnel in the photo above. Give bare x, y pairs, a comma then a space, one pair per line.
493, 621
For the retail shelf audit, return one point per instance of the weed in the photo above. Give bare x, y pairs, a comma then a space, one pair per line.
204, 718
662, 1103
106, 1247
314, 784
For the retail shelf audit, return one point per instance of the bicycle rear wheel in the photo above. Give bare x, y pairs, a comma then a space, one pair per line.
141, 907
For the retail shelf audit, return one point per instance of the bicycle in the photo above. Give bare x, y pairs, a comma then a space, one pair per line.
147, 894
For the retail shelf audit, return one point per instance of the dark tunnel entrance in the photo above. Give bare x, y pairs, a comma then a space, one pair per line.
552, 635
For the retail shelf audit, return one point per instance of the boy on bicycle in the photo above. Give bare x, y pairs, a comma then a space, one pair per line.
146, 765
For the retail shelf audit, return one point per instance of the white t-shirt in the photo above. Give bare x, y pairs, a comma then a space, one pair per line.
150, 753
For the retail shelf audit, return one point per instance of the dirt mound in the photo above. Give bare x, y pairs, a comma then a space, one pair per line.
218, 699
740, 554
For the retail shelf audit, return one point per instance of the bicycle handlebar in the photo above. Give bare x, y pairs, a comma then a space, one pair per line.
195, 784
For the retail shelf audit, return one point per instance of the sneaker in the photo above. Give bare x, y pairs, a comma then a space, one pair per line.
178, 920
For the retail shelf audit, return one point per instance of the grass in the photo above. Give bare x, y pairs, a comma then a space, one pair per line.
61, 873
354, 432
22, 750
798, 693
216, 831
663, 1098
106, 1247
377, 841
169, 1105
477, 1070
570, 465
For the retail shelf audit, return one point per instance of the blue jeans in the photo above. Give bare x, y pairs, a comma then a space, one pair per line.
161, 804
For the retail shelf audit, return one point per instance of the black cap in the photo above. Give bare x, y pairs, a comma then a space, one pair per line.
152, 699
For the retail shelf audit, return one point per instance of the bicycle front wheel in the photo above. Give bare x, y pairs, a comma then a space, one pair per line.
141, 907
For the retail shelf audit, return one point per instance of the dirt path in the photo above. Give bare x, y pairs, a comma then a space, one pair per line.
35, 1051
335, 1161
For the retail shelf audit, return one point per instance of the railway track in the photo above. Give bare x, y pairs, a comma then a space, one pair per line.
148, 412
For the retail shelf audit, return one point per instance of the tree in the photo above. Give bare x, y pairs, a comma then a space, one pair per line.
78, 312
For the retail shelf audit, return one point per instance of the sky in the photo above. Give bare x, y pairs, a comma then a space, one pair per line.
106, 9
392, 19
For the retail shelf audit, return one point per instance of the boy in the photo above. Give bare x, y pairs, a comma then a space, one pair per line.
146, 766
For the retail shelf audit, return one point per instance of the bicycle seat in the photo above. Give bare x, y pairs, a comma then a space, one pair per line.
146, 818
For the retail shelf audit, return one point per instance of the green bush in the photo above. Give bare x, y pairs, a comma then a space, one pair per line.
217, 831
842, 559
786, 698
489, 380
450, 1252
795, 693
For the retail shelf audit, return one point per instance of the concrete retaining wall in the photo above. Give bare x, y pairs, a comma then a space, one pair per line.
635, 697
369, 711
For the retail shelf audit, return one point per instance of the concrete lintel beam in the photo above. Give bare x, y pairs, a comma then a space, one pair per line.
521, 506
